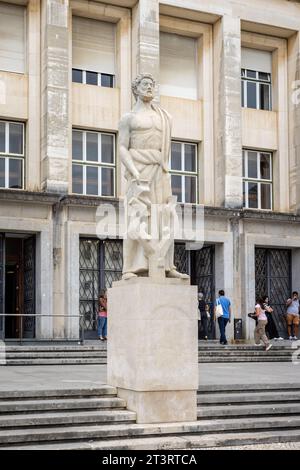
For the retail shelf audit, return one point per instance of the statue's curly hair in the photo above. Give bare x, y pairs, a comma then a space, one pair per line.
138, 79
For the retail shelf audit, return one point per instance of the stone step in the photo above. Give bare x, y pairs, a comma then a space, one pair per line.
55, 354
254, 352
100, 390
283, 387
59, 361
190, 441
17, 406
66, 418
244, 359
246, 398
118, 431
223, 411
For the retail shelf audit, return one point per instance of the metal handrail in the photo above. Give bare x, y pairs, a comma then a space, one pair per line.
81, 328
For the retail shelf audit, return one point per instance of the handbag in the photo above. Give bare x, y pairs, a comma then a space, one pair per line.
252, 315
219, 309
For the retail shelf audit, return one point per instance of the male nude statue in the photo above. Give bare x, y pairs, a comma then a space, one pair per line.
145, 139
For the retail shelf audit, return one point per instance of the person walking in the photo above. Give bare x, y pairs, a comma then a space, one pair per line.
260, 332
271, 329
292, 316
102, 317
202, 306
225, 317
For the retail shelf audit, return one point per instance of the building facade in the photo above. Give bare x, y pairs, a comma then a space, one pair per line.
228, 71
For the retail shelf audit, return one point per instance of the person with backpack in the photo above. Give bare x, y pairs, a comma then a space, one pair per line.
223, 314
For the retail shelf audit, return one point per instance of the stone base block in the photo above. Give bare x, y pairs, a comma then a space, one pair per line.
161, 407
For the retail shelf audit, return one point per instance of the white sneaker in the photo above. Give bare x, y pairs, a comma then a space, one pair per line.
280, 339
295, 337
269, 347
291, 337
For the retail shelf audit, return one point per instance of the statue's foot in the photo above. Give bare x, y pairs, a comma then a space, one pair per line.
175, 274
127, 276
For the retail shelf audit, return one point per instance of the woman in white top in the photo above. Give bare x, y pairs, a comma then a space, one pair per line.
260, 332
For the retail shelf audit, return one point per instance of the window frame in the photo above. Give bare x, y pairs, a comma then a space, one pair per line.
259, 181
96, 164
258, 81
8, 156
182, 173
99, 75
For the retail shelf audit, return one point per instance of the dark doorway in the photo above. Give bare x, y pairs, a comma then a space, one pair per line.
199, 264
273, 278
100, 263
17, 286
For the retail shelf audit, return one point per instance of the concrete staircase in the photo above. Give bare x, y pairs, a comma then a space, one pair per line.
96, 419
95, 353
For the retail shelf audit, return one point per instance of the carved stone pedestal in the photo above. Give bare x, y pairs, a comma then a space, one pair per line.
153, 348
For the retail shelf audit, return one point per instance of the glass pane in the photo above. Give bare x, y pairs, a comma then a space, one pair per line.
264, 96
92, 180
189, 157
190, 189
251, 95
77, 150
176, 187
252, 195
265, 166
2, 136
92, 146
252, 164
91, 78
15, 174
77, 179
16, 138
265, 190
2, 172
176, 156
76, 76
244, 194
107, 148
264, 76
243, 93
243, 158
251, 74
107, 182
107, 80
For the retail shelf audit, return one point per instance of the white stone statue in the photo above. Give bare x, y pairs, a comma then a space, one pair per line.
145, 141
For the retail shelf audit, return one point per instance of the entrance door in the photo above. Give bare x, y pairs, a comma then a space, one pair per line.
100, 264
199, 264
273, 278
17, 285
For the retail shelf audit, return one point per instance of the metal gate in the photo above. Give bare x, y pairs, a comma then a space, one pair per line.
199, 264
273, 278
2, 270
29, 288
100, 263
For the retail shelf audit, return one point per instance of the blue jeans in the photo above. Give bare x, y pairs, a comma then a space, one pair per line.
222, 325
102, 326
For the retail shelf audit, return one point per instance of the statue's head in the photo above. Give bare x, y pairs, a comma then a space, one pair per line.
143, 86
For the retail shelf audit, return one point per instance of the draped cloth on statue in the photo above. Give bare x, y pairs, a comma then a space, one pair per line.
152, 165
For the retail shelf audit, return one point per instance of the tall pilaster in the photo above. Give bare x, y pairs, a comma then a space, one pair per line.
228, 116
145, 34
55, 85
294, 119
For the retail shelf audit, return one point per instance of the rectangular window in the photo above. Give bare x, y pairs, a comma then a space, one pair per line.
12, 38
257, 179
93, 168
94, 52
183, 169
178, 66
11, 155
256, 90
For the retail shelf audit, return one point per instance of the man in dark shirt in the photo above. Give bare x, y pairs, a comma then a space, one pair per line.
203, 314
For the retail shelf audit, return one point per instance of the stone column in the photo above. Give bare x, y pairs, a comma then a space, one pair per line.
294, 119
55, 89
228, 117
145, 38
